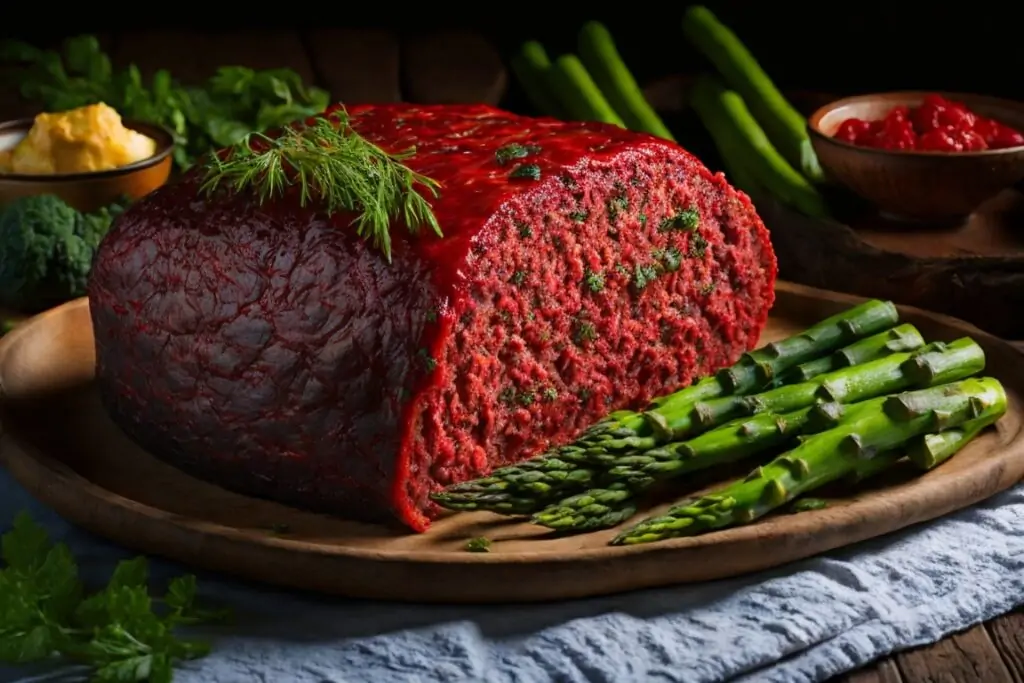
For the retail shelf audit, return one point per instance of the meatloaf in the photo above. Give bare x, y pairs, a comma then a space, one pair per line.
268, 349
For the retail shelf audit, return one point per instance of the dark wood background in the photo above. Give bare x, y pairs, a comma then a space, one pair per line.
833, 47
823, 47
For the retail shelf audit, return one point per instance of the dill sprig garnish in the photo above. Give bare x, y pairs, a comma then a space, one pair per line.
334, 166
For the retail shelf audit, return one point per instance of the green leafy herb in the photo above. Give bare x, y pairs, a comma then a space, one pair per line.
524, 230
698, 245
510, 396
671, 259
550, 394
594, 280
616, 205
644, 275
518, 277
707, 288
686, 220
531, 171
118, 631
643, 220
334, 166
236, 101
514, 151
507, 395
578, 216
478, 545
428, 361
585, 332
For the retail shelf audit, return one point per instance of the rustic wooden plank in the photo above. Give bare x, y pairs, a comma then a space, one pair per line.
1007, 633
12, 105
966, 657
883, 671
452, 67
357, 65
193, 56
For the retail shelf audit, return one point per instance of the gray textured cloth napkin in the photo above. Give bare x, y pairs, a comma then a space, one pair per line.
800, 623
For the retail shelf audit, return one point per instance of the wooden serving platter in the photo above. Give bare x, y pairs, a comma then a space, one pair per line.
58, 442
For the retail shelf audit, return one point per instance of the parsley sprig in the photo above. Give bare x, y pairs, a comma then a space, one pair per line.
120, 632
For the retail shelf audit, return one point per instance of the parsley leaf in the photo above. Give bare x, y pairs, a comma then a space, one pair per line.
121, 632
25, 546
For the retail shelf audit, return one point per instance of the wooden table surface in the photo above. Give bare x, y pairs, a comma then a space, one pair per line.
372, 65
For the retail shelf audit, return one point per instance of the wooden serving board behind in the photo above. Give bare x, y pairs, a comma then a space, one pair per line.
58, 442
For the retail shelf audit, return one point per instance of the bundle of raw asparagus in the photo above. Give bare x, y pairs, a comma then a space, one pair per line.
846, 398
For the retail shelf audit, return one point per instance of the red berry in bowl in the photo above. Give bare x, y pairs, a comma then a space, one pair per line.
850, 130
1006, 137
937, 124
938, 140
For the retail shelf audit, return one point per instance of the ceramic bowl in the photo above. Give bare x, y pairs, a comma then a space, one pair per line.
91, 190
932, 187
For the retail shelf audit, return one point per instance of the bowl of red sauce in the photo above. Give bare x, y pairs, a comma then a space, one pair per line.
921, 156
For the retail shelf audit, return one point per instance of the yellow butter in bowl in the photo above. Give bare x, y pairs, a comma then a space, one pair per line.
90, 138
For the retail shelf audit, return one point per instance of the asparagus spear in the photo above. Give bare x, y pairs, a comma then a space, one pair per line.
728, 443
533, 68
931, 450
732, 441
786, 127
901, 338
590, 511
601, 57
635, 472
925, 452
937, 363
933, 364
827, 456
725, 113
579, 95
754, 370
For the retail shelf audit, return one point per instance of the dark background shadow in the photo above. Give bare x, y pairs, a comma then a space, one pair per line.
832, 47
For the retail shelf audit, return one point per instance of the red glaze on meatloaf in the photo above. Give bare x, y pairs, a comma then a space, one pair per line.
269, 350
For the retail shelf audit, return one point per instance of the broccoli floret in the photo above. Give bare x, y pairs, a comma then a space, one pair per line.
46, 251
93, 227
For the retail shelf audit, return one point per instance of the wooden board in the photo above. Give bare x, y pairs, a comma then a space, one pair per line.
974, 271
58, 442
